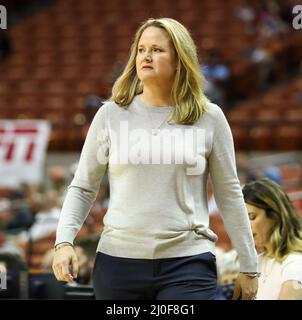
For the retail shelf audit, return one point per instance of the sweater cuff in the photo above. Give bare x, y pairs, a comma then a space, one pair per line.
248, 267
67, 236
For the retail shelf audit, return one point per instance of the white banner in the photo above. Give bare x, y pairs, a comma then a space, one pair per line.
23, 145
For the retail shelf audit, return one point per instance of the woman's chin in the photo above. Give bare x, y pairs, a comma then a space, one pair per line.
147, 76
259, 247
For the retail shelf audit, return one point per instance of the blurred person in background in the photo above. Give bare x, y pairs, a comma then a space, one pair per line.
92, 105
89, 245
216, 74
46, 220
5, 212
12, 262
269, 20
265, 61
273, 173
157, 215
228, 269
18, 216
57, 179
245, 11
7, 243
117, 68
278, 236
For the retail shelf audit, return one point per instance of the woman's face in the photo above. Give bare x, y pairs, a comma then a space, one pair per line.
156, 60
261, 225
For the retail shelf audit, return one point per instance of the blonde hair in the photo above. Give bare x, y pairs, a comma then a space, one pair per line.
285, 236
187, 90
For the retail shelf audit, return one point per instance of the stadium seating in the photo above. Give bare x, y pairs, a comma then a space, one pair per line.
65, 52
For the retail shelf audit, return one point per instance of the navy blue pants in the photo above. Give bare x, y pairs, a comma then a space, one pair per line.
185, 278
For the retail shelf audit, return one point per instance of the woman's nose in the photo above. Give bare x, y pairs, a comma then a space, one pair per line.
148, 57
252, 226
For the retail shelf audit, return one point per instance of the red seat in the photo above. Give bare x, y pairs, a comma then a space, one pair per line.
269, 114
261, 138
241, 137
288, 137
294, 114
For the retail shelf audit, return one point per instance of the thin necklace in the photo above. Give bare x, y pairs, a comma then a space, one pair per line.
156, 129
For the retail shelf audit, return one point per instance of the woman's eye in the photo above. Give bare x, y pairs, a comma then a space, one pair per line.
157, 50
140, 50
252, 217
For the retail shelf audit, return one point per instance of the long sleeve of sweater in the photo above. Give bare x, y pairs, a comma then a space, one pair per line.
85, 185
228, 194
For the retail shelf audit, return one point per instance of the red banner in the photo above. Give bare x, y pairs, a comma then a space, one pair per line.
23, 145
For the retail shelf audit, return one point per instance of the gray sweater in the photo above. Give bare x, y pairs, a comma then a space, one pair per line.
158, 184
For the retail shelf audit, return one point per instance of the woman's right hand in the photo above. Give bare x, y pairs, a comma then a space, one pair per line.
64, 257
245, 287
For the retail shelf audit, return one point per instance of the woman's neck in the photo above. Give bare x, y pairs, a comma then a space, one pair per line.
158, 98
267, 248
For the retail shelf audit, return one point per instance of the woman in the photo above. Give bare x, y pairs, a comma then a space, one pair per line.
278, 235
159, 138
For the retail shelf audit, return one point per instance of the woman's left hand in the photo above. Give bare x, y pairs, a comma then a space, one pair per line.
245, 287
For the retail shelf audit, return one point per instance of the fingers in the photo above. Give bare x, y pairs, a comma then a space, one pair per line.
68, 278
66, 273
237, 292
245, 297
62, 273
57, 272
75, 267
245, 287
249, 296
